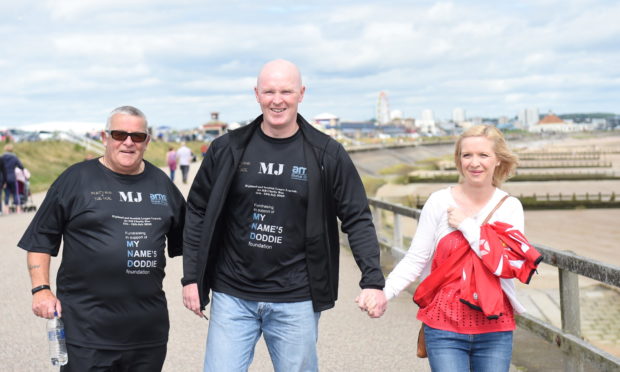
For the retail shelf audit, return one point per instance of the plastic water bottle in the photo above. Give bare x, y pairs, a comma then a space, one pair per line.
56, 337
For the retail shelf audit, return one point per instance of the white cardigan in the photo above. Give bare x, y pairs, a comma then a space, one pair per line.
433, 226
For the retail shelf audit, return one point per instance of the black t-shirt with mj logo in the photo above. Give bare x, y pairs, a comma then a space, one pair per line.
263, 258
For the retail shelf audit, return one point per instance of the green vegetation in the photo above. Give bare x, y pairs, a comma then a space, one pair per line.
46, 160
372, 184
401, 169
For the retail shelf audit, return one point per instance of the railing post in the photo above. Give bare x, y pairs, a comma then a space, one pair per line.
376, 216
398, 236
571, 321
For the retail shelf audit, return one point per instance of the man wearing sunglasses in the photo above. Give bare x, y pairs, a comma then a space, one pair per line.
114, 216
261, 234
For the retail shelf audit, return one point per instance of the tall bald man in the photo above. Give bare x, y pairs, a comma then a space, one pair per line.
114, 215
261, 232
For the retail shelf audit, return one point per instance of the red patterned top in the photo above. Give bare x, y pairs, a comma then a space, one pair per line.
446, 312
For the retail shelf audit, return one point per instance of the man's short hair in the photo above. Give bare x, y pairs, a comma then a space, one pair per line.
126, 110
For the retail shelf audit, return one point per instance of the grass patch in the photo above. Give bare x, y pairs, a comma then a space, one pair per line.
372, 184
46, 160
401, 169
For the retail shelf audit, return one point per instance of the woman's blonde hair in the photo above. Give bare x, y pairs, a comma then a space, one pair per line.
507, 160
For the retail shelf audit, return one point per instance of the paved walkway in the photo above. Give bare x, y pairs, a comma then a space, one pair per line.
348, 339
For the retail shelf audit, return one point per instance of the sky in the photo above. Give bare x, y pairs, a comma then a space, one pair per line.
68, 63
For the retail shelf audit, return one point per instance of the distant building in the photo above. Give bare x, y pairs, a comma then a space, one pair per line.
426, 124
214, 127
529, 117
458, 115
383, 109
551, 123
357, 129
326, 120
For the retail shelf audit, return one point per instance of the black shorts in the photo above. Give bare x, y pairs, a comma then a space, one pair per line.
83, 359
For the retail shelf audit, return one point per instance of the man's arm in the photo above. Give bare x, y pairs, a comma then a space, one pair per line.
357, 223
44, 303
192, 233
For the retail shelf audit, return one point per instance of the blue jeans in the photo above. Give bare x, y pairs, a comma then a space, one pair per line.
457, 352
290, 330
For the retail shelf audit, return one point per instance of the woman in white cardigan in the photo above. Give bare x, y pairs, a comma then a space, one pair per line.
458, 337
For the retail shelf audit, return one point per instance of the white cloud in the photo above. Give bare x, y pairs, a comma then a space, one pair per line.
182, 60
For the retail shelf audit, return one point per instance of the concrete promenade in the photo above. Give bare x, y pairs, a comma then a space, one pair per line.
348, 339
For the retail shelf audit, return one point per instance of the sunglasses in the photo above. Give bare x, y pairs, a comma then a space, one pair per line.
121, 135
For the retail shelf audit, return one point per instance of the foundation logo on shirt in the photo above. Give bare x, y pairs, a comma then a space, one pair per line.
299, 173
269, 168
159, 199
243, 167
130, 197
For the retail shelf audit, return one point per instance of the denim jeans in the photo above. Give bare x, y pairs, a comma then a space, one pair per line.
290, 330
457, 352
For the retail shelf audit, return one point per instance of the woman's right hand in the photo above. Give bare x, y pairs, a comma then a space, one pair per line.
455, 217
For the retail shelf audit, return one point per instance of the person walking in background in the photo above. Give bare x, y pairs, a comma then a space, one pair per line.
467, 296
109, 284
203, 150
262, 235
184, 158
2, 178
171, 159
11, 161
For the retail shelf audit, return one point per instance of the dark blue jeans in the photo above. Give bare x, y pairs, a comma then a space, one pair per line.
457, 352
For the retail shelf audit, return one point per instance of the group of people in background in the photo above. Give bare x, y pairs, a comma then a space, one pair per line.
259, 236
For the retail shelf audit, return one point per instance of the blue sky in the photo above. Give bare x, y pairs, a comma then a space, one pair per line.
67, 63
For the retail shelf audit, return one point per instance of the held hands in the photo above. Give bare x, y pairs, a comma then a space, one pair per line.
455, 217
372, 301
44, 304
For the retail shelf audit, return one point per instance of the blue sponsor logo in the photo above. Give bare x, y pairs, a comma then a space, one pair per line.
159, 199
299, 173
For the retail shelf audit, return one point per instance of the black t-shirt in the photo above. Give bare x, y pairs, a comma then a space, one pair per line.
265, 214
114, 229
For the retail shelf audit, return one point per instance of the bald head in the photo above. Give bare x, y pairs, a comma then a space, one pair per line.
279, 92
279, 68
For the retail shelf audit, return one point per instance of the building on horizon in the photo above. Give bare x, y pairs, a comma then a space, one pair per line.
552, 123
214, 127
326, 119
458, 115
529, 117
383, 109
426, 124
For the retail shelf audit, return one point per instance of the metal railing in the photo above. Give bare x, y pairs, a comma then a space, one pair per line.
567, 339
